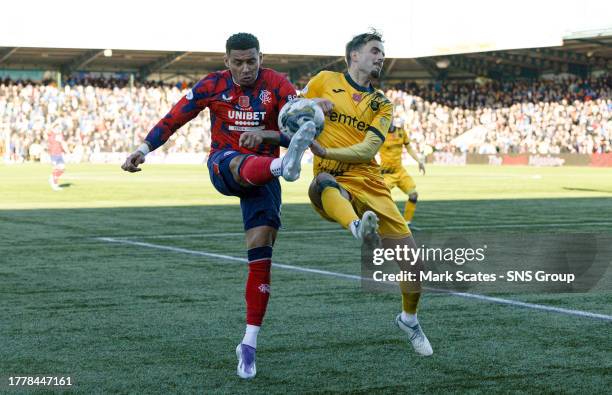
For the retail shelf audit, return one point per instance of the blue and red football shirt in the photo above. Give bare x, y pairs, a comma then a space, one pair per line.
54, 141
234, 109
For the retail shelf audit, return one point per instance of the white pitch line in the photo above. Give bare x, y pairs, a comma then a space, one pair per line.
424, 228
502, 226
227, 257
511, 302
228, 234
491, 299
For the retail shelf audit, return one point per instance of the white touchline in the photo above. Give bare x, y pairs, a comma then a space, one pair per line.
226, 257
424, 228
510, 226
228, 234
492, 299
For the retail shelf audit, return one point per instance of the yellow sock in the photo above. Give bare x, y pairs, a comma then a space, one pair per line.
410, 301
411, 293
409, 210
337, 208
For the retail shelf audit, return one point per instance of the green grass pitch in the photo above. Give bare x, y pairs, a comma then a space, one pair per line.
125, 318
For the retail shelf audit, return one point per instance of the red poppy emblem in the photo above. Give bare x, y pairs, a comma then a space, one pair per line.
244, 102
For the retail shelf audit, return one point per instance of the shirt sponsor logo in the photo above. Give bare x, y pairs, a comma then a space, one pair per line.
348, 120
246, 115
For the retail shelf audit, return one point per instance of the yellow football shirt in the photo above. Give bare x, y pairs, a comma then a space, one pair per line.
391, 150
357, 110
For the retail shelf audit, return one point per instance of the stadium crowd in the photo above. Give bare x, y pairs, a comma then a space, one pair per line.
546, 117
563, 115
94, 116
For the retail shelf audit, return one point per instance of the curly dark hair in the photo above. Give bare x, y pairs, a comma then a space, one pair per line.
241, 41
359, 41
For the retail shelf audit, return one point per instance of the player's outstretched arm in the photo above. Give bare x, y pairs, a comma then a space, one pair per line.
362, 152
416, 157
187, 108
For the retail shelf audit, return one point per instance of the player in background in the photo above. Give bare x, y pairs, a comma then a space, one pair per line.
393, 171
244, 103
56, 147
348, 182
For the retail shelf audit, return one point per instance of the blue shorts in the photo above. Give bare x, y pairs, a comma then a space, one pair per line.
57, 160
261, 205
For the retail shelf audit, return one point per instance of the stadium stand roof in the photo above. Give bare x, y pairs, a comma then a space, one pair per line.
580, 54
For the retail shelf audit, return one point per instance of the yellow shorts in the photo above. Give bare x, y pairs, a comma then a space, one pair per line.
401, 179
369, 192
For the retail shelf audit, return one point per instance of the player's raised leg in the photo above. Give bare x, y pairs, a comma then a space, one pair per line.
301, 140
253, 170
333, 202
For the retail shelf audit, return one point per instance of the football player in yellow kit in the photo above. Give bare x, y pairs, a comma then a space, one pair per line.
348, 181
394, 172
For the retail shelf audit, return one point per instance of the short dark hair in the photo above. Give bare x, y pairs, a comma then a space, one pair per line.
241, 41
359, 41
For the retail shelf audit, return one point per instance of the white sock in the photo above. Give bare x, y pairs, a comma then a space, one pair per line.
276, 167
353, 228
250, 336
409, 319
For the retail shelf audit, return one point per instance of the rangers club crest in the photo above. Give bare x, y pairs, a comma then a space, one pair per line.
244, 102
265, 97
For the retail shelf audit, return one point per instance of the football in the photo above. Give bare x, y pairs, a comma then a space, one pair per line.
298, 111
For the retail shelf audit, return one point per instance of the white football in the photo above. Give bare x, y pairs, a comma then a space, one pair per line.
296, 112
